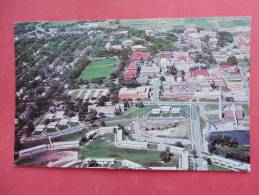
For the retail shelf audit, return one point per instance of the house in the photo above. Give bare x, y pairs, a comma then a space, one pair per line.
166, 109
150, 32
143, 92
194, 42
189, 31
129, 74
175, 111
49, 116
52, 126
156, 111
199, 74
59, 115
132, 66
139, 48
229, 111
209, 33
63, 123
39, 129
136, 56
165, 58
213, 42
126, 43
151, 71
74, 121
181, 55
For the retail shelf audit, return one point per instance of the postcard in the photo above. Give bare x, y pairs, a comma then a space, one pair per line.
152, 94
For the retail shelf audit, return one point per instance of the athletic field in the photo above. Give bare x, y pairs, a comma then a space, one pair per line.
99, 68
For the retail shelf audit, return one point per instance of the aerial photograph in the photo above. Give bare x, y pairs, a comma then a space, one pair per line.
148, 94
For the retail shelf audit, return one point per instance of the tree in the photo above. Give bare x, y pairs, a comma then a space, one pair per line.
173, 70
232, 60
92, 163
103, 124
162, 78
30, 127
209, 162
179, 144
166, 155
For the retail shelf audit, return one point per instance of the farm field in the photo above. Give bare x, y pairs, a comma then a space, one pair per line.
87, 93
98, 69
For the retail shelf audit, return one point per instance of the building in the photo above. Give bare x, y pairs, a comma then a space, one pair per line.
213, 42
230, 113
189, 31
33, 150
181, 55
39, 129
52, 126
132, 66
136, 56
74, 121
107, 110
156, 111
150, 71
199, 74
150, 32
134, 94
62, 124
59, 115
130, 74
139, 48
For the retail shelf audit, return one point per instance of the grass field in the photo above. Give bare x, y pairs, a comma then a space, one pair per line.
103, 148
98, 68
217, 168
134, 112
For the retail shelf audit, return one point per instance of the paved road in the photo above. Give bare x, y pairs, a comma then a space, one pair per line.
156, 91
196, 134
148, 103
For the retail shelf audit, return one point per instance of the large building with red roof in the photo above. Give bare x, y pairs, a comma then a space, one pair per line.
130, 74
199, 73
140, 56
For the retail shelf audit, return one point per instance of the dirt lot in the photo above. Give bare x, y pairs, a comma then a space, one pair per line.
165, 128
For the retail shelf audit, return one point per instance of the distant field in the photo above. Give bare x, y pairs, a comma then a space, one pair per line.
99, 68
180, 23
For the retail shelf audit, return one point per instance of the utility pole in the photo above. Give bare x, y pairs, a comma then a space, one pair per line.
220, 104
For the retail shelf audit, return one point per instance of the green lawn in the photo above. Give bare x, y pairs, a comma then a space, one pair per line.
134, 112
103, 148
99, 68
217, 168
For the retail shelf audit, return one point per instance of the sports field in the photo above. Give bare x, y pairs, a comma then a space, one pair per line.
99, 68
104, 148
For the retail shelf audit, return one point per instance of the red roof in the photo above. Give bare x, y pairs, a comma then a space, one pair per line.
223, 66
166, 55
130, 74
140, 55
199, 72
132, 66
228, 114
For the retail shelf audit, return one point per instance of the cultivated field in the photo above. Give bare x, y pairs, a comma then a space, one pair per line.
99, 68
87, 93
